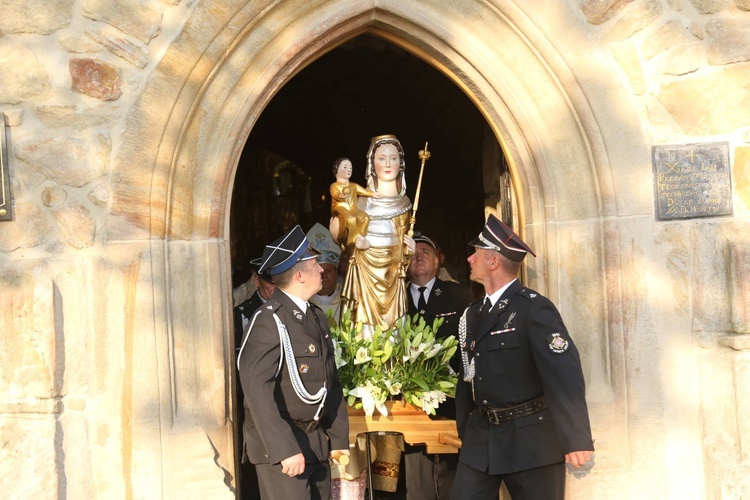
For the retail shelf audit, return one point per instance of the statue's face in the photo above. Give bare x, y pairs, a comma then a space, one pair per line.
345, 169
387, 163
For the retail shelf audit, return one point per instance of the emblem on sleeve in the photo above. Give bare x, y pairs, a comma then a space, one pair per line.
557, 344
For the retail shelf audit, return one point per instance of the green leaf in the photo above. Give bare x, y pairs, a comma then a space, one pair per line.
420, 382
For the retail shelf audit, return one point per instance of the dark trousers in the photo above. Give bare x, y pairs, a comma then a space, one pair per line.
429, 477
546, 483
313, 484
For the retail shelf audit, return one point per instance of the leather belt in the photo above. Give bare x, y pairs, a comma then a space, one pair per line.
496, 416
306, 426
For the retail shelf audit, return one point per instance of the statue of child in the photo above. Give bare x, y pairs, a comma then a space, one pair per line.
348, 223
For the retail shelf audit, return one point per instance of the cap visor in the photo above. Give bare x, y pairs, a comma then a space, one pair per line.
477, 243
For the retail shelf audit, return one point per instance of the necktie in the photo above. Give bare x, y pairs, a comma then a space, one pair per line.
484, 310
311, 315
422, 303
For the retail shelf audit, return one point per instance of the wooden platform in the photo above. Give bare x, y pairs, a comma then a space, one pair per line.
440, 436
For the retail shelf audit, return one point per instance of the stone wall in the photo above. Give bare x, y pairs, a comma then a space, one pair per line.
125, 124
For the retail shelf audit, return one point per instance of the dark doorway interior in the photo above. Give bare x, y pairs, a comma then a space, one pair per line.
363, 88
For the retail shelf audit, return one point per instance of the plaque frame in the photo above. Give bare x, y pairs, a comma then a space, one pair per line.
692, 181
6, 205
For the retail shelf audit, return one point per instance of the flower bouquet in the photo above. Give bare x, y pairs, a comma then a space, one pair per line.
406, 362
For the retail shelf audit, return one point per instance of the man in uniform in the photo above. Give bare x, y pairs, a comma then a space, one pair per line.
520, 401
264, 288
295, 412
430, 476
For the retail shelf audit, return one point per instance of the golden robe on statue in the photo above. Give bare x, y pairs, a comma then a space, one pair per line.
375, 285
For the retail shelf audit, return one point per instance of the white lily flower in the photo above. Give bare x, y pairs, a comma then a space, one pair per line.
368, 403
431, 400
361, 356
432, 351
394, 389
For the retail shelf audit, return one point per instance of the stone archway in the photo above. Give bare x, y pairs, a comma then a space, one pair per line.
181, 144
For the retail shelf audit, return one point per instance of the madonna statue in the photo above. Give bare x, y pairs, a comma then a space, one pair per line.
375, 285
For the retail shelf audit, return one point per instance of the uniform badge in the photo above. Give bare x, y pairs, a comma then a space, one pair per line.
269, 307
311, 348
437, 292
297, 314
557, 344
510, 318
532, 295
304, 368
473, 344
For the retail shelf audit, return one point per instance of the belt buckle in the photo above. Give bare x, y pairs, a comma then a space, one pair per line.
492, 417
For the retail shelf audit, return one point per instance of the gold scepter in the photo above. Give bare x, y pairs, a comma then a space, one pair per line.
424, 155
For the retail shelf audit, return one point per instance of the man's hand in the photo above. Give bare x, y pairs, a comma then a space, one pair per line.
578, 458
293, 466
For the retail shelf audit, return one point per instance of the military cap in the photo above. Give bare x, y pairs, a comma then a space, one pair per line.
419, 237
281, 254
497, 236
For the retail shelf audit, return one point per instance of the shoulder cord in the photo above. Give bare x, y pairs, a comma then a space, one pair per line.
247, 336
468, 365
285, 347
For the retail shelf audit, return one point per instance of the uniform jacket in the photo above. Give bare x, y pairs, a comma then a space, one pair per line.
242, 314
521, 351
447, 300
271, 403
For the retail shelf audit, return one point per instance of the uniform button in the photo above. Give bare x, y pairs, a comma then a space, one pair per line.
476, 355
502, 343
484, 401
541, 418
480, 379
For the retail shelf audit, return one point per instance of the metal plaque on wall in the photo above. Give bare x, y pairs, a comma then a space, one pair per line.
692, 180
6, 209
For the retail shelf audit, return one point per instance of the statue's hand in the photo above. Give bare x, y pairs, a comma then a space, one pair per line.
377, 195
411, 246
333, 227
362, 243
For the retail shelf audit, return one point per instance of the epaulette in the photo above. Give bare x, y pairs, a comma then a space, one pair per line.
271, 304
528, 293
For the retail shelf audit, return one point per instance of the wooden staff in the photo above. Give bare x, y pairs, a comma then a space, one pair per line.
424, 155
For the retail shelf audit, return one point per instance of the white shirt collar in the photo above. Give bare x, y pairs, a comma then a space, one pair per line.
299, 302
498, 293
415, 290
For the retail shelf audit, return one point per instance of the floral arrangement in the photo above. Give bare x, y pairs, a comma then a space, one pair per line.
407, 362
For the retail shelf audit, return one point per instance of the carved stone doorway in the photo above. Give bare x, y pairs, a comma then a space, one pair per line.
362, 88
180, 153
